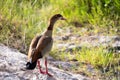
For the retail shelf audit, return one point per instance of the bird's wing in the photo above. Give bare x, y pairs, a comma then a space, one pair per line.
33, 45
43, 42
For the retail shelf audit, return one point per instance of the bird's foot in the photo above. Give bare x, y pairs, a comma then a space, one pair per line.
42, 72
46, 73
49, 74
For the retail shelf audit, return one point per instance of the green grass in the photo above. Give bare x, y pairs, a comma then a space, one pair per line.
98, 57
106, 63
28, 17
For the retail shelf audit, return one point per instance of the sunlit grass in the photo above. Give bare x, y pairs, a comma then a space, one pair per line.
31, 17
98, 57
104, 62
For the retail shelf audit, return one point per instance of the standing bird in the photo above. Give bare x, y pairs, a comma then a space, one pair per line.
41, 45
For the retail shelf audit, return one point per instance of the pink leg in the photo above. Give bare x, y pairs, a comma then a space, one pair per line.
47, 68
40, 67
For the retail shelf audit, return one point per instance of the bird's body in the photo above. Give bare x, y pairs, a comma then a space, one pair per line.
41, 45
48, 38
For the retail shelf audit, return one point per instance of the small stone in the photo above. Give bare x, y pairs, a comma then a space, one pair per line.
65, 38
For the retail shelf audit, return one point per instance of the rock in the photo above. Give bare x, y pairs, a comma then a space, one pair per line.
12, 63
65, 65
60, 45
65, 38
113, 42
71, 48
117, 38
68, 47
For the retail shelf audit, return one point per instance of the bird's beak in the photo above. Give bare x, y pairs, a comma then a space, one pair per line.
62, 18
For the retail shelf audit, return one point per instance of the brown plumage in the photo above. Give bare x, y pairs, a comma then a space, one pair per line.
41, 45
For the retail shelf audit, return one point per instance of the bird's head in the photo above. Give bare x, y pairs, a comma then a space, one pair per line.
57, 17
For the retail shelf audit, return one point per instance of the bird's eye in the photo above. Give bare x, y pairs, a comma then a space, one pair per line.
58, 15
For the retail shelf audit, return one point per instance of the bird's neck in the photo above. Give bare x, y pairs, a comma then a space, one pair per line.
51, 25
49, 30
48, 33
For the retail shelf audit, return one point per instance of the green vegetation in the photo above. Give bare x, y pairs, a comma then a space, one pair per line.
98, 57
20, 20
25, 18
101, 59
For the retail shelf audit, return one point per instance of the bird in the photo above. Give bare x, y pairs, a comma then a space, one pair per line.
41, 45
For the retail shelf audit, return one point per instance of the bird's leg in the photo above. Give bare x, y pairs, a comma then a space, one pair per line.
40, 68
47, 68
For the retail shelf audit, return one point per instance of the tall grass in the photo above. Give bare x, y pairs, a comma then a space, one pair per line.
89, 11
24, 18
20, 20
106, 63
96, 56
